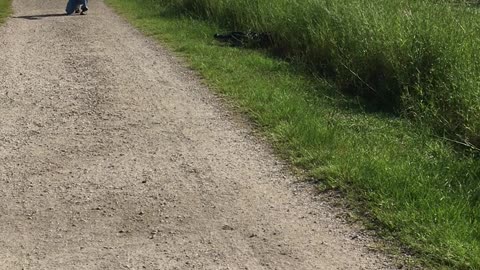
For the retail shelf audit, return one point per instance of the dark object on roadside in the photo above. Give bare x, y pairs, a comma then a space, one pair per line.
245, 39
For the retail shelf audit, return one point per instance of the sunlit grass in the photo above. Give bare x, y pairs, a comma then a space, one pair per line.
409, 185
407, 57
5, 9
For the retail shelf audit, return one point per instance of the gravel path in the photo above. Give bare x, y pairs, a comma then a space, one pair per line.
113, 156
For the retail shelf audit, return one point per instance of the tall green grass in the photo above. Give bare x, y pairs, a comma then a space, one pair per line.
414, 58
5, 9
414, 188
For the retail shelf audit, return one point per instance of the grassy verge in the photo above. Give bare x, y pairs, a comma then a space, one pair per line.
413, 58
413, 188
4, 9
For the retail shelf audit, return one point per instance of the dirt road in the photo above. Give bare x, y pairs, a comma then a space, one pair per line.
113, 156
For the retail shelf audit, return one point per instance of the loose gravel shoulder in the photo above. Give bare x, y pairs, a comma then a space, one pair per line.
114, 156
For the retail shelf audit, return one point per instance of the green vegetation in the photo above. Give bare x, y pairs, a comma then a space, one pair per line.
412, 186
4, 9
409, 57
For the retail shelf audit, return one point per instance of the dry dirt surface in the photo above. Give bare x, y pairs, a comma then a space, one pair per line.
114, 156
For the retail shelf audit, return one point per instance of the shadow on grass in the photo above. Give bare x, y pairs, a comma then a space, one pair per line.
354, 98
